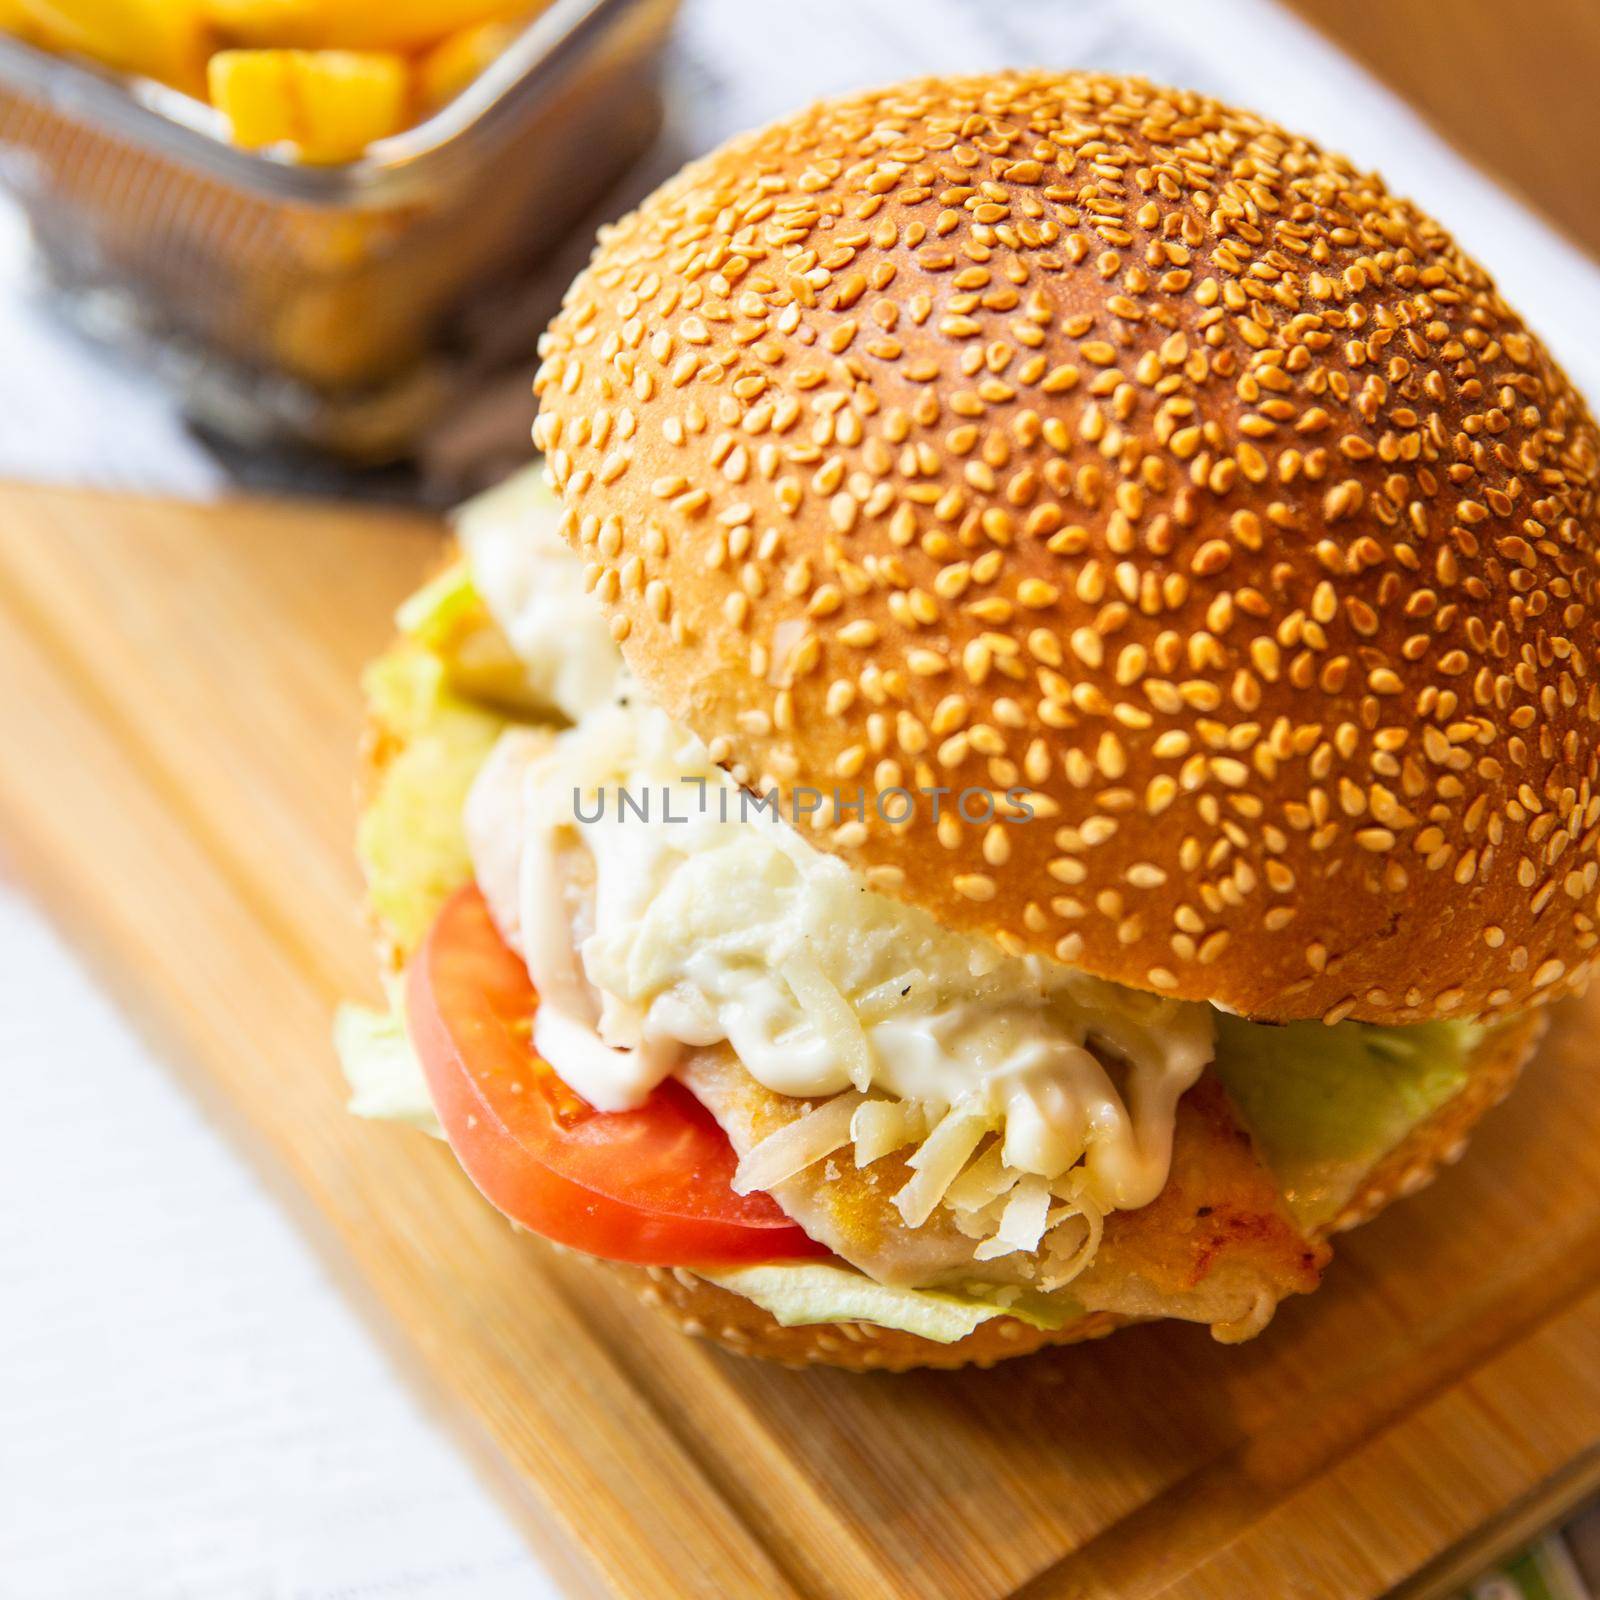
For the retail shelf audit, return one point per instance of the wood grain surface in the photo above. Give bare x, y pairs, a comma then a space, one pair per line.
1512, 86
177, 732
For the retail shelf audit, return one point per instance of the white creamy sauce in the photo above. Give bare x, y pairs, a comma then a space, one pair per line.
706, 923
533, 587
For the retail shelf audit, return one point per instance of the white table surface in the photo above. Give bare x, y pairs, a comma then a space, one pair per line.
188, 1405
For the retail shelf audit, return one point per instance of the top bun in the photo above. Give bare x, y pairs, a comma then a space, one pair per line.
1057, 431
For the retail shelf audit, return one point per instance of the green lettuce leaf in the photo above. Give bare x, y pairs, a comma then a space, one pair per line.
433, 615
409, 838
1326, 1104
385, 1077
799, 1293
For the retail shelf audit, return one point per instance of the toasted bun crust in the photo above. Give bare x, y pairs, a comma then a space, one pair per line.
1057, 432
704, 1309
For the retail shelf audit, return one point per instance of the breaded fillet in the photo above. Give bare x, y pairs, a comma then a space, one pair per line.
1217, 1245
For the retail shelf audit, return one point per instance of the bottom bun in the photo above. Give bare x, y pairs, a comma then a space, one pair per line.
698, 1307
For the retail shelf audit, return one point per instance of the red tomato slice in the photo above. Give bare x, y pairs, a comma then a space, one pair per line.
652, 1186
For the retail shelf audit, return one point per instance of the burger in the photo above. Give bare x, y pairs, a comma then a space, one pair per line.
1028, 756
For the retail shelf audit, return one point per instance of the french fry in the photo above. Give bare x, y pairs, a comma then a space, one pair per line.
458, 58
329, 104
327, 77
352, 24
164, 39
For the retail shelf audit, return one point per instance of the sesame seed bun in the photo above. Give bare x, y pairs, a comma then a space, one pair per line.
1055, 432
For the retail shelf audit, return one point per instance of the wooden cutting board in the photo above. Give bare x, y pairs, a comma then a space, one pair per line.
177, 725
